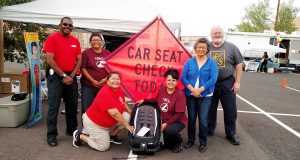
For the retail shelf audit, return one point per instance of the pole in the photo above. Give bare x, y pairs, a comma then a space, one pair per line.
276, 19
1, 47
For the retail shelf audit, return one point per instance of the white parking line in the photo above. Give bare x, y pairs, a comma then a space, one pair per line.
276, 114
132, 156
293, 89
271, 117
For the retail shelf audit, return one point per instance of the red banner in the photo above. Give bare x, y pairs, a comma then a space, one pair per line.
144, 58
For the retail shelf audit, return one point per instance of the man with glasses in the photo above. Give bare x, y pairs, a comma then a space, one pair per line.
229, 61
64, 58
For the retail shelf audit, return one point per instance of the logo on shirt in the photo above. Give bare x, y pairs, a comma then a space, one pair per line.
100, 62
219, 56
73, 46
164, 105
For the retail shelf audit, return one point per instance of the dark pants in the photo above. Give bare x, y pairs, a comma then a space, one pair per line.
88, 95
263, 66
56, 91
198, 107
227, 97
172, 134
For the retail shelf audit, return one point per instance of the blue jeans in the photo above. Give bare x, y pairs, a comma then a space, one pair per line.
198, 107
88, 95
56, 91
227, 97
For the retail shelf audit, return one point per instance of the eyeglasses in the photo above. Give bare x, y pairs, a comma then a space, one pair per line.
66, 24
95, 40
203, 48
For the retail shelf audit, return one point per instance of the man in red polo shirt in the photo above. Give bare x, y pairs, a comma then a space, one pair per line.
64, 58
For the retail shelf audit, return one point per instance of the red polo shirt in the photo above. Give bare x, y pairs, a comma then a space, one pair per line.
106, 99
65, 50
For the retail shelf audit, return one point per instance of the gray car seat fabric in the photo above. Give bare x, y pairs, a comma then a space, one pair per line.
146, 117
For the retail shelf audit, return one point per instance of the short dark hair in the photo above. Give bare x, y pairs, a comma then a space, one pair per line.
33, 44
65, 18
172, 72
202, 40
111, 73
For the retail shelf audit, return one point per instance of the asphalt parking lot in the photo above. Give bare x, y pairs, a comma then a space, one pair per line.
268, 127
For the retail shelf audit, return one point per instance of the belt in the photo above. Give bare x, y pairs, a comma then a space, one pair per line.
225, 79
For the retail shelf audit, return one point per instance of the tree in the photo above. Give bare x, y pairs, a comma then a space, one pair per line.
12, 2
287, 14
257, 18
14, 45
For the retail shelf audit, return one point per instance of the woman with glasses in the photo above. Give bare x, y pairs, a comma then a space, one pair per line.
93, 71
199, 76
171, 104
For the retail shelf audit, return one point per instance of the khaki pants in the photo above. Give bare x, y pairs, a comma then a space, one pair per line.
98, 136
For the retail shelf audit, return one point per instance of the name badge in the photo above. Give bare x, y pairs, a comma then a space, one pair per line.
51, 72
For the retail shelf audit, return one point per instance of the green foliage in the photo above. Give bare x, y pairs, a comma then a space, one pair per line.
14, 44
286, 16
257, 17
12, 2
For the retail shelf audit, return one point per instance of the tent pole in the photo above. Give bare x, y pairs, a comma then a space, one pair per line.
1, 47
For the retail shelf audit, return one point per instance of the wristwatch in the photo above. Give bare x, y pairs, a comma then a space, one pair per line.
64, 75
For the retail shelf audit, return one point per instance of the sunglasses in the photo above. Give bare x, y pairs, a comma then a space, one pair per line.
66, 24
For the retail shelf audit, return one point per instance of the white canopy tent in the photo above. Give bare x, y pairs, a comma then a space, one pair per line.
257, 50
109, 17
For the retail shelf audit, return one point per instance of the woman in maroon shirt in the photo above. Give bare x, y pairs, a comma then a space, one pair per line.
172, 106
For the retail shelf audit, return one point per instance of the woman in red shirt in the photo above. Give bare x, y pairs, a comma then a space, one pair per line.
171, 102
107, 115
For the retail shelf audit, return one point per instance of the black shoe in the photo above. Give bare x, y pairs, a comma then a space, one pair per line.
116, 140
188, 145
52, 142
233, 139
202, 148
177, 148
76, 138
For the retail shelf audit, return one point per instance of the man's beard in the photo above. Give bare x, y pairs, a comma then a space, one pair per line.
218, 40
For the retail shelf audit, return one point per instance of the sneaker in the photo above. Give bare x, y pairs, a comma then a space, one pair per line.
233, 139
63, 111
177, 148
202, 148
188, 145
52, 142
116, 140
76, 138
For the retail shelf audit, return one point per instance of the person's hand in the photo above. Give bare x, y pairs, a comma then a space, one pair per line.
130, 128
102, 81
163, 127
67, 80
96, 84
197, 92
236, 87
139, 102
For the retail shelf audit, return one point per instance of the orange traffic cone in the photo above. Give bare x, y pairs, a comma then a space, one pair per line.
284, 83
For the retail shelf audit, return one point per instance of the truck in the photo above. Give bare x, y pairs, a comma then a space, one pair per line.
253, 45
